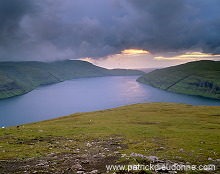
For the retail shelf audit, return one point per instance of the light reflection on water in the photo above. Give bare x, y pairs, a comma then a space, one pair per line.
83, 95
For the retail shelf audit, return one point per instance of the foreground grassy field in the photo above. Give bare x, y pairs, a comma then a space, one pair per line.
135, 134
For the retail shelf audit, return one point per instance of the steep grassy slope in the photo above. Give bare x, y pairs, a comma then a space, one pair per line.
200, 78
17, 78
135, 134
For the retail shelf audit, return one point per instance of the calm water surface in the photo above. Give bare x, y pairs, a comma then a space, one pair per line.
83, 95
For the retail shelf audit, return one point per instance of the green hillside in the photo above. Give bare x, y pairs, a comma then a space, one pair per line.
17, 78
201, 78
156, 133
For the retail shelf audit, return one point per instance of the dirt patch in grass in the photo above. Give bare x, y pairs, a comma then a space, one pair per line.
92, 157
145, 123
216, 115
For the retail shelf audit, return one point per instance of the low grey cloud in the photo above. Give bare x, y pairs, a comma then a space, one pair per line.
47, 30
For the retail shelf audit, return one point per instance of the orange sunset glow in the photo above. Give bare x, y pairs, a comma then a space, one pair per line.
190, 56
137, 58
134, 51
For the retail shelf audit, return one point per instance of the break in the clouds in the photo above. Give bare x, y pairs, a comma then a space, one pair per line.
62, 29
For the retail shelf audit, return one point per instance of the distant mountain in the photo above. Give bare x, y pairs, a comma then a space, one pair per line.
17, 78
201, 78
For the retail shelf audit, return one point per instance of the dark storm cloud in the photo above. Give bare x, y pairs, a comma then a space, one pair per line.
11, 34
62, 29
177, 25
11, 12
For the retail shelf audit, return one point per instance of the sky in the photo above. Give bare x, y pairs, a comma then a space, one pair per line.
110, 33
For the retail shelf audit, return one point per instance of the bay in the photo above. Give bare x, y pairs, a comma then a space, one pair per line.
84, 95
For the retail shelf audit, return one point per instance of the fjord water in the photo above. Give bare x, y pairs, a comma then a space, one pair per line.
83, 95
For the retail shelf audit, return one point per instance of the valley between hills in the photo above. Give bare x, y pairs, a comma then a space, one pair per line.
139, 134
